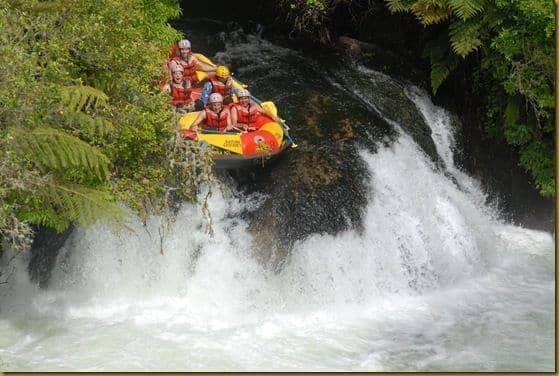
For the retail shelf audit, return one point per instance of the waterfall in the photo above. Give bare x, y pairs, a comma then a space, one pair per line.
433, 281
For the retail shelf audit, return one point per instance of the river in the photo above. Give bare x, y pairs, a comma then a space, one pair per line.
393, 258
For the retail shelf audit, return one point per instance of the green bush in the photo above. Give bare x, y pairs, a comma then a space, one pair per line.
83, 124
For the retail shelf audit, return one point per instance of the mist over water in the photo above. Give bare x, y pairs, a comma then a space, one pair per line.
433, 281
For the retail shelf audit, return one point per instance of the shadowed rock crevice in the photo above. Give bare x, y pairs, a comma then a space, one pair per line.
44, 251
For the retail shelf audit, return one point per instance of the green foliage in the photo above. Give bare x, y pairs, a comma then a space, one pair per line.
439, 73
399, 5
465, 9
82, 122
430, 12
311, 17
59, 205
53, 150
537, 159
79, 98
515, 65
465, 37
443, 62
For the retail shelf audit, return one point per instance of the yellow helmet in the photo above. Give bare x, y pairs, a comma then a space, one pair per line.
222, 72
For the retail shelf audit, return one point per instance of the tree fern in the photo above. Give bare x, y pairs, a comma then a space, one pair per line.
78, 102
57, 205
399, 5
431, 11
465, 9
439, 73
82, 98
465, 37
90, 126
44, 216
83, 205
53, 149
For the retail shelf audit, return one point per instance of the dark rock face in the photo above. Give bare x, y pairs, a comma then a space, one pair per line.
509, 187
44, 250
310, 193
381, 59
383, 93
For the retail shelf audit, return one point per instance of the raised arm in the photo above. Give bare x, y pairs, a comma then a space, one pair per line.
234, 116
229, 123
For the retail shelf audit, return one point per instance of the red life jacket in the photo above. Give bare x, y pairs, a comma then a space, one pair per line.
219, 87
180, 95
247, 115
189, 68
217, 120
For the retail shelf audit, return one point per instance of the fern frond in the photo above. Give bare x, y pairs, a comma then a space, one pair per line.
44, 216
58, 205
89, 125
431, 11
53, 149
82, 98
465, 9
399, 5
464, 37
439, 73
82, 205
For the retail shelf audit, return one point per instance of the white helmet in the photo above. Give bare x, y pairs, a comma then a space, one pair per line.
243, 93
184, 43
175, 67
215, 97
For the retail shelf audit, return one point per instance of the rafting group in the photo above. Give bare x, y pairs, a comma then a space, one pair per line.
219, 110
198, 86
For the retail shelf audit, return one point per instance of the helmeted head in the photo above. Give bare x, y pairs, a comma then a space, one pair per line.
175, 66
176, 70
215, 102
184, 48
222, 72
215, 98
243, 93
184, 43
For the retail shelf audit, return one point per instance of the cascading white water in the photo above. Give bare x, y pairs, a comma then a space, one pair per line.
433, 282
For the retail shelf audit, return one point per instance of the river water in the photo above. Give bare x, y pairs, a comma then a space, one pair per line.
431, 280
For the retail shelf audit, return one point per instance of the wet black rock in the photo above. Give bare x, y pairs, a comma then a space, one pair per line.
44, 251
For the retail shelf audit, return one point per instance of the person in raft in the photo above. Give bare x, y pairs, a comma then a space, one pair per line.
180, 90
189, 62
215, 116
221, 82
246, 113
